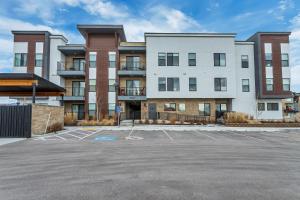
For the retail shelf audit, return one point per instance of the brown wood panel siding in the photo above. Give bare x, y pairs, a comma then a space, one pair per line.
102, 44
31, 39
275, 40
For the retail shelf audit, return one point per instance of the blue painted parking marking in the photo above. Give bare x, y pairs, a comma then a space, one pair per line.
105, 138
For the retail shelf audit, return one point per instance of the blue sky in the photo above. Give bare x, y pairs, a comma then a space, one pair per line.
243, 17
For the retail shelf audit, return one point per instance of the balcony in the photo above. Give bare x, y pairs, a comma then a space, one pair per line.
132, 69
70, 70
74, 94
132, 93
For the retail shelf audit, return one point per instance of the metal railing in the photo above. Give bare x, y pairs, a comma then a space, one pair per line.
132, 66
75, 91
132, 91
61, 66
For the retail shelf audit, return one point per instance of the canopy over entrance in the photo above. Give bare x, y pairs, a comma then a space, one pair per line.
27, 84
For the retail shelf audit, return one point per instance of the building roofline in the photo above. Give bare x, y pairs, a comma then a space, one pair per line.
152, 34
16, 32
268, 33
101, 28
61, 36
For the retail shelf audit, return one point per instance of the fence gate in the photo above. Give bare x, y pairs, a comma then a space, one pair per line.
15, 121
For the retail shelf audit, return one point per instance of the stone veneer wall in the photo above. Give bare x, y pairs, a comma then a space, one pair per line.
40, 114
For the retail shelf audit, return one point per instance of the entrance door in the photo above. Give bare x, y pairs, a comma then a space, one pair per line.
133, 87
220, 109
133, 110
152, 111
78, 109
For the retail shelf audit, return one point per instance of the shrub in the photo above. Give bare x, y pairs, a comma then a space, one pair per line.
235, 117
55, 127
70, 119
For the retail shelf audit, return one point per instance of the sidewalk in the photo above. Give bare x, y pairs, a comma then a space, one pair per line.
4, 141
210, 127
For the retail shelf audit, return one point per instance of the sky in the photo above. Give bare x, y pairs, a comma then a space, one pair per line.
244, 17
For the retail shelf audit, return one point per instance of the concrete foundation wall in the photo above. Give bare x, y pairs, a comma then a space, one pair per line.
40, 115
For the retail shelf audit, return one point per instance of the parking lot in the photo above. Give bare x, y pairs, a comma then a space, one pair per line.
94, 163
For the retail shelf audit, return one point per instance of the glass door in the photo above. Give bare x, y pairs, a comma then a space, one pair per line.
133, 87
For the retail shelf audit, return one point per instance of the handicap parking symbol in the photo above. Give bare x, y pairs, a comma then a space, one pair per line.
105, 138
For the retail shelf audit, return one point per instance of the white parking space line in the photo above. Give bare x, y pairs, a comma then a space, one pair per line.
165, 132
60, 137
248, 136
210, 137
73, 135
90, 134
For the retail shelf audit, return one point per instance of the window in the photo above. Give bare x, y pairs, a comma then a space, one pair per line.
132, 62
272, 106
92, 110
38, 59
221, 107
268, 60
269, 82
284, 60
245, 85
192, 59
220, 84
219, 59
286, 84
111, 85
192, 84
78, 88
92, 59
111, 109
112, 59
170, 107
261, 106
204, 109
162, 84
92, 85
78, 64
245, 61
161, 59
172, 59
181, 107
20, 59
173, 84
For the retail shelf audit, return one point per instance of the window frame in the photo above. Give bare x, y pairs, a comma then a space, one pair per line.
271, 108
111, 85
220, 79
22, 60
165, 84
195, 84
205, 113
40, 61
243, 61
217, 62
162, 57
92, 88
289, 84
171, 58
192, 62
269, 61
112, 58
259, 108
172, 109
248, 85
269, 84
173, 83
180, 107
92, 63
285, 60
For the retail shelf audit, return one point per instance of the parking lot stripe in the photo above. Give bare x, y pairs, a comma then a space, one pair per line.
91, 134
60, 137
210, 137
165, 132
248, 136
73, 135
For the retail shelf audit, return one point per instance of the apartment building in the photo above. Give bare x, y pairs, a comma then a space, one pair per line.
202, 74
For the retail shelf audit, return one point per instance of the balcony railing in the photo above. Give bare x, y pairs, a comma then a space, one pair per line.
132, 91
61, 66
132, 66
